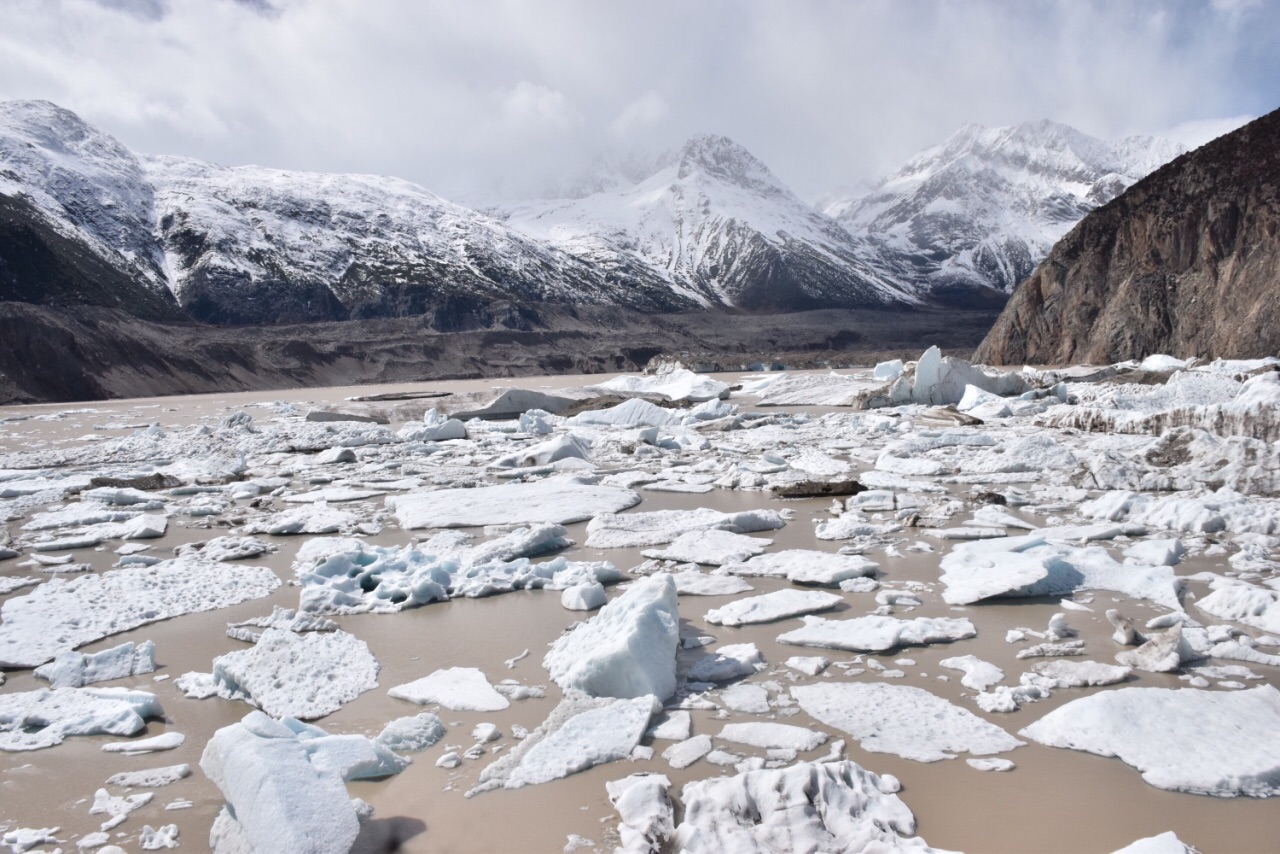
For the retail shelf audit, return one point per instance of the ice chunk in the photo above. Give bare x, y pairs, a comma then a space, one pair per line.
155, 838
118, 808
564, 447
1157, 552
728, 662
151, 778
1243, 602
810, 665
457, 688
1220, 743
279, 799
1164, 843
300, 675
636, 530
434, 427
74, 669
694, 583
682, 754
31, 720
628, 649
63, 614
645, 808
752, 699
903, 720
411, 734
552, 500
990, 764
979, 675
772, 606
584, 597
1161, 653
318, 518
630, 413
804, 566
834, 806
712, 547
876, 634
580, 733
165, 741
673, 381
771, 735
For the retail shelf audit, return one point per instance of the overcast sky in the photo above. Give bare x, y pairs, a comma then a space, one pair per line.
470, 97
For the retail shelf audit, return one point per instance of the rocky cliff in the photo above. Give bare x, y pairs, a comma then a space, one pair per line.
1185, 262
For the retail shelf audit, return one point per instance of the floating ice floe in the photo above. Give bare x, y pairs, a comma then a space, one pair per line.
682, 754
284, 785
673, 381
728, 662
61, 615
630, 413
580, 733
691, 582
457, 688
285, 673
628, 649
552, 500
318, 518
1207, 742
710, 547
434, 427
772, 606
876, 634
1164, 843
32, 720
118, 808
351, 576
805, 566
74, 669
751, 699
644, 806
1246, 603
637, 530
229, 548
842, 807
565, 447
411, 734
150, 778
764, 734
903, 720
155, 744
979, 675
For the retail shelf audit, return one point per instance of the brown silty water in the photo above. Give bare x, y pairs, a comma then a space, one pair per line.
1054, 801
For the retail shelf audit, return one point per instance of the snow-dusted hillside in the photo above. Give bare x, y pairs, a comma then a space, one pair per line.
719, 228
249, 244
82, 184
984, 207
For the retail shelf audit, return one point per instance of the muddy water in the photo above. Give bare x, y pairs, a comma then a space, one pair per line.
1054, 801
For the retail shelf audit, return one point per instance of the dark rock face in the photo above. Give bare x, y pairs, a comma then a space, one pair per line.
1186, 262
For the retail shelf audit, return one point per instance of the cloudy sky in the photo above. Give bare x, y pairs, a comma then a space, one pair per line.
473, 98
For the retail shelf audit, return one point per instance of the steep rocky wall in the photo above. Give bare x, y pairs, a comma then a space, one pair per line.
1186, 262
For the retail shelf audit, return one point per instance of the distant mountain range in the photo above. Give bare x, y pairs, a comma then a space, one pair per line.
85, 221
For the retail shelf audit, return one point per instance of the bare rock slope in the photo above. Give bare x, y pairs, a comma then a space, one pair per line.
1186, 262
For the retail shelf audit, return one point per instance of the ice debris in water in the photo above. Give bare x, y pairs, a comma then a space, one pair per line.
637, 530
1206, 742
558, 500
900, 719
581, 732
31, 720
770, 607
628, 649
712, 547
74, 669
876, 634
284, 784
61, 615
646, 813
286, 673
457, 688
845, 808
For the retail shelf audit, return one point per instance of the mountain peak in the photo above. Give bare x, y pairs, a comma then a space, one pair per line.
721, 158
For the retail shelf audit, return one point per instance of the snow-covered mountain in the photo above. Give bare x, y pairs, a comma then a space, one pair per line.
721, 229
249, 244
983, 208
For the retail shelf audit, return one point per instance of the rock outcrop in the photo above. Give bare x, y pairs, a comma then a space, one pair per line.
1186, 262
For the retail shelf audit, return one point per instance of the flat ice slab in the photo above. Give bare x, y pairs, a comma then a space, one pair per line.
1205, 742
810, 806
772, 606
771, 735
806, 566
63, 614
713, 547
580, 733
628, 649
876, 634
458, 688
299, 675
903, 720
553, 500
637, 530
31, 720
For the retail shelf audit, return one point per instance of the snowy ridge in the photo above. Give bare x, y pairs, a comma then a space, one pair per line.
89, 186
985, 206
720, 228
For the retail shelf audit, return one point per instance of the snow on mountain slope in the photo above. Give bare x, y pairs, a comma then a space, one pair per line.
87, 186
249, 245
984, 207
720, 229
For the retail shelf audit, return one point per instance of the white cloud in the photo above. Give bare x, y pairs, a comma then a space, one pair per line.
500, 94
641, 114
